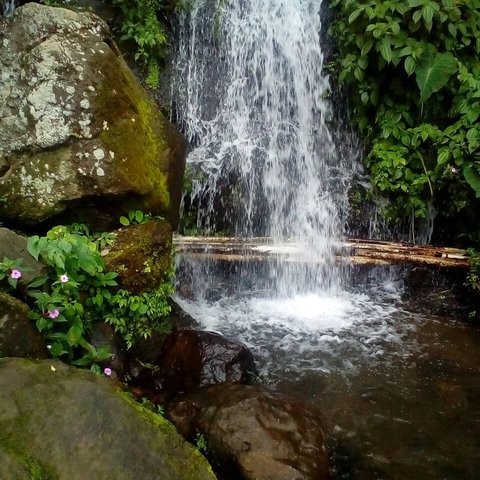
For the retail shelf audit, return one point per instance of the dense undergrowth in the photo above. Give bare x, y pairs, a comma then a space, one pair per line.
412, 71
77, 291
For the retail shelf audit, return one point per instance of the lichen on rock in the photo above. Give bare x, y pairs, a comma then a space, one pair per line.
77, 131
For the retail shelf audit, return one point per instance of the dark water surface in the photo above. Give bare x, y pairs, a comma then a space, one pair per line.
398, 390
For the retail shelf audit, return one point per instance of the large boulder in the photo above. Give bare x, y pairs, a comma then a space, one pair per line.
189, 359
73, 425
18, 335
78, 133
253, 433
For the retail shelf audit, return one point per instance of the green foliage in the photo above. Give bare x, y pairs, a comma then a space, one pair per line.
135, 217
473, 276
140, 25
201, 443
78, 291
413, 72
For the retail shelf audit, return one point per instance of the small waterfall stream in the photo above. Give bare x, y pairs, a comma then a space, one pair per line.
269, 159
7, 7
251, 97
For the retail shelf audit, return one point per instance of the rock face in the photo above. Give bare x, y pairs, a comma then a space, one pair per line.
14, 246
18, 335
254, 433
141, 254
71, 425
191, 359
77, 131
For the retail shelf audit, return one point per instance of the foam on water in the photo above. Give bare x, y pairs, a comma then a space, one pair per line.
313, 332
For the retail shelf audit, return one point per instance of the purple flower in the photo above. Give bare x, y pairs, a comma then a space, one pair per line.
53, 314
15, 273
107, 371
64, 278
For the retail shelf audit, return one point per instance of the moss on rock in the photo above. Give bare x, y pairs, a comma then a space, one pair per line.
141, 254
74, 425
78, 134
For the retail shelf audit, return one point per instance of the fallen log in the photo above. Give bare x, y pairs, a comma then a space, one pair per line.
355, 251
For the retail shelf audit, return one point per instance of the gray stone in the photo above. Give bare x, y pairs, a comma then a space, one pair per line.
13, 246
18, 335
73, 425
77, 131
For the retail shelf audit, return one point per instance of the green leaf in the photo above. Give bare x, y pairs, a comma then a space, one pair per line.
473, 179
57, 350
139, 216
427, 14
74, 334
453, 30
366, 47
410, 65
124, 221
33, 246
433, 73
39, 281
386, 50
354, 15
443, 156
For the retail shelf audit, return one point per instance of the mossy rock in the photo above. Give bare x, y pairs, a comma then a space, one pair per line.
65, 424
142, 255
18, 335
79, 137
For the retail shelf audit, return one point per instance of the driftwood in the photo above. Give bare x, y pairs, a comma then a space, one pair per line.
350, 250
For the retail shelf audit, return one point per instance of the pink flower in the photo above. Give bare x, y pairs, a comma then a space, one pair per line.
107, 371
64, 278
53, 314
15, 273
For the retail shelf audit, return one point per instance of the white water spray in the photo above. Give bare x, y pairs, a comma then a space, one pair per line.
250, 95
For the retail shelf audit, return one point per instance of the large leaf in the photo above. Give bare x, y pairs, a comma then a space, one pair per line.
433, 72
473, 179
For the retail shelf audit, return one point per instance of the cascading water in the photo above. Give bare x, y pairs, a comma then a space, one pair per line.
7, 7
249, 92
251, 98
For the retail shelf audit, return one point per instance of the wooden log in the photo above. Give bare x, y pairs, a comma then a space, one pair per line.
355, 251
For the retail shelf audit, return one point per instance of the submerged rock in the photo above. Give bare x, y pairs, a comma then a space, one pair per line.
73, 425
253, 433
78, 133
18, 335
191, 359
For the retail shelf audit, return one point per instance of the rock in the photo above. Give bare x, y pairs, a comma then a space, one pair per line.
191, 359
13, 246
104, 335
254, 434
79, 136
18, 335
141, 254
433, 291
74, 425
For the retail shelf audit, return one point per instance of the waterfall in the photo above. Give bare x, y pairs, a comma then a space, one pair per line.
7, 7
251, 94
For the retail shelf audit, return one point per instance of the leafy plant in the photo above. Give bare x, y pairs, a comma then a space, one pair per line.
135, 217
412, 70
140, 25
78, 291
201, 443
